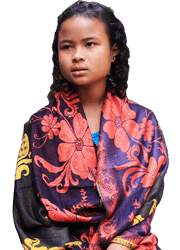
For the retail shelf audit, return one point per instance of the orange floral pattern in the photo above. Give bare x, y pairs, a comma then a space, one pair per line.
120, 125
135, 166
147, 129
50, 126
113, 186
76, 152
77, 147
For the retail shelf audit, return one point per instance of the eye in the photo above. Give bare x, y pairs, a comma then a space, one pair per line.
90, 44
67, 47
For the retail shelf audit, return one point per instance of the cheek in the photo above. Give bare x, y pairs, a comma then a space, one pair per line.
63, 65
102, 63
103, 57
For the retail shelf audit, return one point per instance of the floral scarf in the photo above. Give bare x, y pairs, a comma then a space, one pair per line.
68, 196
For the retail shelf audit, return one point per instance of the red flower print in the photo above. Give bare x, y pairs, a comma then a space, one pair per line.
152, 171
162, 148
50, 126
77, 147
107, 228
120, 122
82, 203
137, 204
131, 217
76, 152
147, 129
135, 169
149, 241
56, 214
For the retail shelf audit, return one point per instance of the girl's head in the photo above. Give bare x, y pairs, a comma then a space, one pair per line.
103, 20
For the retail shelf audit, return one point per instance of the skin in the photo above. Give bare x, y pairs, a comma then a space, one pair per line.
84, 43
114, 246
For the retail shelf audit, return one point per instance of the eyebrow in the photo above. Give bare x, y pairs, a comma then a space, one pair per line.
85, 39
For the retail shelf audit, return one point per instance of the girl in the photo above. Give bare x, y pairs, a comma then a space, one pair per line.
91, 166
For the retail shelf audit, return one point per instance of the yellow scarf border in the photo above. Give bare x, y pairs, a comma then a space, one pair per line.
123, 242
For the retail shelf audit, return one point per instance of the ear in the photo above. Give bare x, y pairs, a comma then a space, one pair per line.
114, 52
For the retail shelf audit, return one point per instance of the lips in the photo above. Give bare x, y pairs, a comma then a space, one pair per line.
78, 69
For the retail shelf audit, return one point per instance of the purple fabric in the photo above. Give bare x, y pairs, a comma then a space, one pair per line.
112, 194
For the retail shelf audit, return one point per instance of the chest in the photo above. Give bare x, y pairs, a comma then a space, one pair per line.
93, 116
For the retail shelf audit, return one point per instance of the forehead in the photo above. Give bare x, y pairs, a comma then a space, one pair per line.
80, 27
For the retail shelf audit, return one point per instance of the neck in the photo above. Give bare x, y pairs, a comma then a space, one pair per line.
91, 95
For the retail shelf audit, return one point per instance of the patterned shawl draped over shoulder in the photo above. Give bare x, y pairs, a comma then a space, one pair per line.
67, 196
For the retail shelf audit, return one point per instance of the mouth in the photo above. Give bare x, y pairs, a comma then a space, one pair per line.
79, 70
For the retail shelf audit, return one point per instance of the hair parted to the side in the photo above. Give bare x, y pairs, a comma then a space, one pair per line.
119, 71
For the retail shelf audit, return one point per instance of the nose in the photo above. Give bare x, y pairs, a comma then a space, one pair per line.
78, 56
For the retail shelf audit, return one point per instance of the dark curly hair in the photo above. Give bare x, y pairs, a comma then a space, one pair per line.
118, 74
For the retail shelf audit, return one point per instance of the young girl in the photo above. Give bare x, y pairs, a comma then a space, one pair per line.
91, 166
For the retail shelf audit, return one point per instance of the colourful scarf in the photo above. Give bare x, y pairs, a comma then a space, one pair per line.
68, 196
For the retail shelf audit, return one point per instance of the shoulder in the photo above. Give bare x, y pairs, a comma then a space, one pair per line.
27, 125
138, 107
39, 115
141, 113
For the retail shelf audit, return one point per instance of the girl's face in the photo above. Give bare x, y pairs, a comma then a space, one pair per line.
85, 55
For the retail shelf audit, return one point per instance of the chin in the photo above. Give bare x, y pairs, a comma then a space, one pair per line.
81, 83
